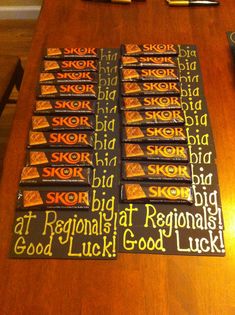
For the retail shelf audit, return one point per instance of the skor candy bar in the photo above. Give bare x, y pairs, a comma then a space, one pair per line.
69, 65
61, 139
152, 134
150, 75
144, 151
156, 193
67, 77
59, 157
148, 62
150, 88
150, 50
151, 103
71, 53
161, 117
64, 107
35, 175
45, 123
156, 171
67, 91
54, 198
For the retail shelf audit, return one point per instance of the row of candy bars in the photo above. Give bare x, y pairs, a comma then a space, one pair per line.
154, 141
59, 160
69, 72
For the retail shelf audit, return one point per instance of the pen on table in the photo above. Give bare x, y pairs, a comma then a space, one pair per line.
192, 2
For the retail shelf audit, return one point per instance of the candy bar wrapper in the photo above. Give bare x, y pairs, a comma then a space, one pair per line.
68, 91
67, 77
61, 139
58, 157
152, 134
150, 88
71, 53
77, 175
45, 123
69, 65
64, 107
152, 75
148, 62
160, 117
151, 103
143, 151
150, 50
156, 193
54, 198
156, 171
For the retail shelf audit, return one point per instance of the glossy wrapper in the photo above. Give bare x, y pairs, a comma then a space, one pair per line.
150, 50
68, 77
150, 75
67, 91
69, 65
143, 151
148, 62
71, 53
48, 123
64, 107
156, 171
59, 157
150, 88
161, 117
61, 139
34, 175
152, 134
156, 193
151, 102
54, 198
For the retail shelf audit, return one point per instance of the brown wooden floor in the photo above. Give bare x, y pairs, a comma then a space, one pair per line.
15, 39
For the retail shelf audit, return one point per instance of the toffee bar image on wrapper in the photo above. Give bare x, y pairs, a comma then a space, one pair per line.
144, 151
150, 50
156, 193
54, 198
45, 123
71, 53
151, 102
150, 75
64, 107
148, 62
61, 139
156, 171
67, 77
58, 157
33, 175
150, 88
154, 134
67, 91
69, 65
161, 117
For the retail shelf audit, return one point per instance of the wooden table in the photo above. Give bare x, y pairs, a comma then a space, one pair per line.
133, 284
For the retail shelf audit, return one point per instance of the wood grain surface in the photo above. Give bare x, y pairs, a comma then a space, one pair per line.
134, 284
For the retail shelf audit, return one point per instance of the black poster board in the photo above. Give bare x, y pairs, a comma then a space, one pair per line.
182, 229
111, 226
